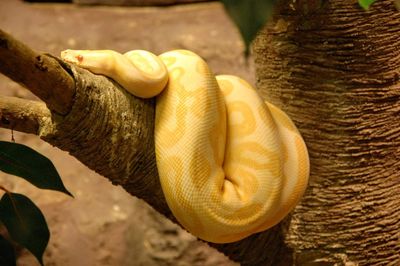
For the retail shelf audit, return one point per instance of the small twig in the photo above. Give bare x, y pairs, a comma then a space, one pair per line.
22, 115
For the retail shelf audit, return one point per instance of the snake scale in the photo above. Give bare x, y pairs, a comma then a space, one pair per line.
230, 164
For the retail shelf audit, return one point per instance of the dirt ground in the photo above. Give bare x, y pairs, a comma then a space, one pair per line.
103, 225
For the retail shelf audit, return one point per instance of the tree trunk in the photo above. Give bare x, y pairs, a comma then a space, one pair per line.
334, 68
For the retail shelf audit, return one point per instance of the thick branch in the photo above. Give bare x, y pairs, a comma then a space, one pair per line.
41, 74
103, 126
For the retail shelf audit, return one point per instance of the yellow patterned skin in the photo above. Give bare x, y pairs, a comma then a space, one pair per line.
230, 164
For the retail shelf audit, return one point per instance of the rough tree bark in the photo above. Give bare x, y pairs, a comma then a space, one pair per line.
332, 67
335, 69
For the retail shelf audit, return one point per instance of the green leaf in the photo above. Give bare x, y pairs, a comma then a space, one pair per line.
250, 16
25, 223
365, 3
7, 253
22, 161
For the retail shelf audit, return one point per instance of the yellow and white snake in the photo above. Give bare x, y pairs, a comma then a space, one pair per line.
230, 164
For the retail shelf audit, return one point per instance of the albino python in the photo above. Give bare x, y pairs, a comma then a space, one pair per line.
230, 164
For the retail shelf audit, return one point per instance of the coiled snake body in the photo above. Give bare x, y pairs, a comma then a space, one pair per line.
230, 164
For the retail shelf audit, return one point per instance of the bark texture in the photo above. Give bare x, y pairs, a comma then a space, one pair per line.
111, 132
334, 68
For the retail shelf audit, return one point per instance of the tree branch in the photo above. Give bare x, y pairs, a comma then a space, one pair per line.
41, 73
104, 127
22, 115
88, 115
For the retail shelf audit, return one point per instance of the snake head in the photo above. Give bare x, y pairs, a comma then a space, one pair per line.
72, 56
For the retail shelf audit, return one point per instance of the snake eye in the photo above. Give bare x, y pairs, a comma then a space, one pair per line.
79, 57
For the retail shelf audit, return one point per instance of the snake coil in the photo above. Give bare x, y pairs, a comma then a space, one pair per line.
230, 164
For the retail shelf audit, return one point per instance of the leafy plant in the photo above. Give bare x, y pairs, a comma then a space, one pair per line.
23, 220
